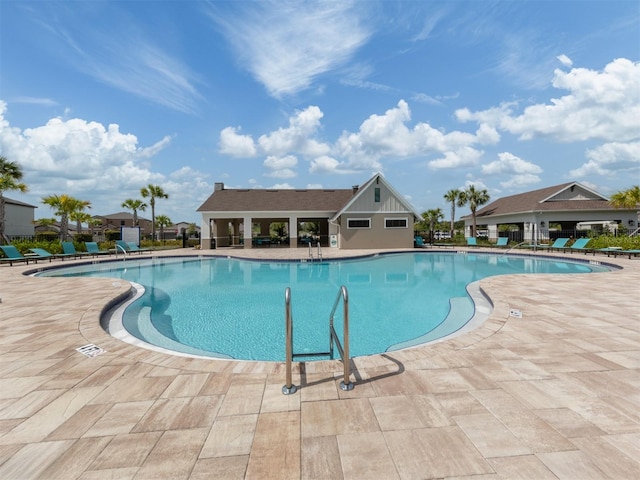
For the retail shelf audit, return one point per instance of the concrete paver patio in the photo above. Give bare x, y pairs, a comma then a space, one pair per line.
554, 394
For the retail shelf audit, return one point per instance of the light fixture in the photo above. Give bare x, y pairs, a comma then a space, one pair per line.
542, 224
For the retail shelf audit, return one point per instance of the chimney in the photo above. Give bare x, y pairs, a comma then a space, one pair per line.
218, 186
355, 189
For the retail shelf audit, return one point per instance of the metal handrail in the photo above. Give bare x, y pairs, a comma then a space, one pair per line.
123, 251
310, 252
319, 252
344, 352
289, 387
345, 384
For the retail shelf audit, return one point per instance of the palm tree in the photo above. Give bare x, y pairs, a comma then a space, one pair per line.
163, 221
10, 176
64, 206
629, 198
153, 192
79, 217
474, 198
135, 205
453, 196
431, 217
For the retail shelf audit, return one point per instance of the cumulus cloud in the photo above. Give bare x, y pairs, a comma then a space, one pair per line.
236, 145
287, 45
518, 172
281, 167
297, 137
92, 162
602, 105
611, 158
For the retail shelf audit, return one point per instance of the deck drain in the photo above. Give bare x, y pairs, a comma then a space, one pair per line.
90, 350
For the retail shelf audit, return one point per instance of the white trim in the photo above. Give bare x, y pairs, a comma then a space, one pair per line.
349, 227
406, 222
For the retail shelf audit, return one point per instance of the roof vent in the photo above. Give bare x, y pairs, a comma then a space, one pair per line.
355, 189
218, 186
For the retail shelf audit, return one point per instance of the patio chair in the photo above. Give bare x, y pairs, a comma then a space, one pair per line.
135, 248
558, 244
41, 254
502, 241
12, 255
69, 250
472, 242
419, 242
94, 250
581, 245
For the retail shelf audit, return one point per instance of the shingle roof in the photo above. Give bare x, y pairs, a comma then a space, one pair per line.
542, 201
244, 200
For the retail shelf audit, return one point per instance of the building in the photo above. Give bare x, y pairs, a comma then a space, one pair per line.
569, 209
373, 215
114, 221
18, 218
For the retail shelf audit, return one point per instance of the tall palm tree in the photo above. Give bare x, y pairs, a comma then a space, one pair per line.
65, 205
163, 221
153, 192
453, 196
10, 176
134, 205
431, 217
474, 198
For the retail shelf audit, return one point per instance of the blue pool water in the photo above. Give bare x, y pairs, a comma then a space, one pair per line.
234, 308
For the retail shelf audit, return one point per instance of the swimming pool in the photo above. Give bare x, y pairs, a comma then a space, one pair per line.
234, 308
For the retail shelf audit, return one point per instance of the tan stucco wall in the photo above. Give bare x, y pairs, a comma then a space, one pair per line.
377, 236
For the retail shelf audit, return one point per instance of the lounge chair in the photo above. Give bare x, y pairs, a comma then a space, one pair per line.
12, 255
472, 242
502, 241
94, 250
135, 248
558, 244
581, 245
617, 251
69, 250
419, 242
41, 254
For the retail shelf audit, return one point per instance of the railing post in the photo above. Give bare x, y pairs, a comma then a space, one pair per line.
288, 387
345, 384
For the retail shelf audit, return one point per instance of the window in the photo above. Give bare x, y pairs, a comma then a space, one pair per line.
395, 223
376, 195
359, 223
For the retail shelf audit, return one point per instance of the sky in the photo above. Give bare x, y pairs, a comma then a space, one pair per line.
99, 99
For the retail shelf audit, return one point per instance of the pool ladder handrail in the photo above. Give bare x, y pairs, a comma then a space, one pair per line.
345, 384
311, 252
123, 251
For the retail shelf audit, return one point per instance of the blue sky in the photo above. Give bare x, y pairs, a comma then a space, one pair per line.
98, 99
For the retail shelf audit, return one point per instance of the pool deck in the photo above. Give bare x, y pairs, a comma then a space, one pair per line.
553, 394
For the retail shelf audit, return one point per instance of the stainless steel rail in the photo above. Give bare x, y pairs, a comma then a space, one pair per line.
345, 384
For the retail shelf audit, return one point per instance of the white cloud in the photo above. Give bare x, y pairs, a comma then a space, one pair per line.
611, 159
281, 186
297, 137
516, 171
601, 105
463, 157
101, 165
236, 145
281, 167
566, 61
509, 163
287, 45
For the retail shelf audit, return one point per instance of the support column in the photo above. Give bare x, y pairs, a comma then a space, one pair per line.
293, 232
205, 233
248, 238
